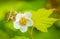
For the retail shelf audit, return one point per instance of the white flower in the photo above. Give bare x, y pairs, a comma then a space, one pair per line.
23, 21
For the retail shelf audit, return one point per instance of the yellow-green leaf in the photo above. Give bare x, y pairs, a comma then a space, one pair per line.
44, 12
41, 19
44, 23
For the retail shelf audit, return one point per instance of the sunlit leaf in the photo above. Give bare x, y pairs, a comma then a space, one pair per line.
44, 23
41, 19
44, 12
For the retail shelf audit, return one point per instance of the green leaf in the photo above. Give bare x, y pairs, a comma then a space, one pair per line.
41, 19
3, 35
44, 12
57, 23
20, 37
44, 23
10, 25
47, 21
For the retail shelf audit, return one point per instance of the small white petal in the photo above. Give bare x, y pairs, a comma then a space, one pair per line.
18, 16
16, 25
23, 28
30, 23
28, 14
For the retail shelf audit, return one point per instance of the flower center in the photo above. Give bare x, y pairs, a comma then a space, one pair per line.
23, 21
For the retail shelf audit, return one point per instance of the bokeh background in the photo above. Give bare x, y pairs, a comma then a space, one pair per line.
7, 30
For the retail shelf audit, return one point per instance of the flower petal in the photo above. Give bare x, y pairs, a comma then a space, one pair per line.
16, 25
23, 28
28, 14
30, 22
18, 16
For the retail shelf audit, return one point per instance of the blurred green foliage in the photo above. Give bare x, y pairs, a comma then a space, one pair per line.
8, 32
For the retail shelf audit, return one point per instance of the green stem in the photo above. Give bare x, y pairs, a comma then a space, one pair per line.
31, 33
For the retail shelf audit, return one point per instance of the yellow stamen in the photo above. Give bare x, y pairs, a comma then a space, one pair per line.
23, 21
